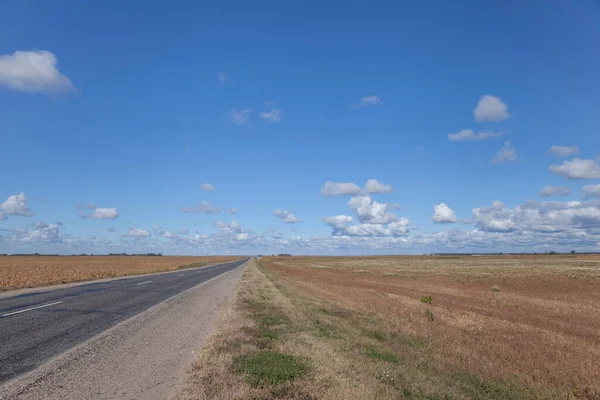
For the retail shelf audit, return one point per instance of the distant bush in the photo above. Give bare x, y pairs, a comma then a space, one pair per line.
429, 315
495, 288
426, 299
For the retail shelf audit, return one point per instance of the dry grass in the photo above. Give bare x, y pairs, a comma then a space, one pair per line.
363, 331
31, 271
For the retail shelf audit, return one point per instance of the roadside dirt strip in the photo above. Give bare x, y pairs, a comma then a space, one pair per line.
144, 357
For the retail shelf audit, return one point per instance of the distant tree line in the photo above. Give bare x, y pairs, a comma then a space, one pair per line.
84, 254
547, 253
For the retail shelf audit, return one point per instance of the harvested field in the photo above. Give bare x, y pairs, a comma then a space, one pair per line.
526, 322
407, 328
31, 271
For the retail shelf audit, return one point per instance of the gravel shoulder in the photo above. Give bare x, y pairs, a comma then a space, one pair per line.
144, 357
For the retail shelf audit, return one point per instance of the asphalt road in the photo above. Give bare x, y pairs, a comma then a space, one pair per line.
36, 326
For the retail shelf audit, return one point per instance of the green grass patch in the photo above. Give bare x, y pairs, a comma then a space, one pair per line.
325, 330
478, 388
269, 368
429, 315
378, 335
426, 299
382, 356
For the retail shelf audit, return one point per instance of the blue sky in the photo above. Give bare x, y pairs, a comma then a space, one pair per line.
131, 108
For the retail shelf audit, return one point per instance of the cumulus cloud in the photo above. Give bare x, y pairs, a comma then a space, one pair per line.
591, 191
207, 187
241, 117
341, 227
16, 205
550, 191
102, 213
372, 212
137, 233
490, 108
233, 211
506, 154
374, 186
442, 214
545, 217
33, 72
469, 135
577, 169
285, 216
564, 151
203, 207
273, 115
169, 235
335, 189
45, 234
373, 219
222, 77
371, 100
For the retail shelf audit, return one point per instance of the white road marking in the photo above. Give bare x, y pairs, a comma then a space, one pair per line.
143, 283
181, 275
29, 309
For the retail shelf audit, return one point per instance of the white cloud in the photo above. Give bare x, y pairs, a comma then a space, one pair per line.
334, 189
341, 227
591, 191
233, 211
564, 151
183, 231
274, 115
222, 77
490, 108
156, 227
46, 234
232, 226
16, 205
550, 191
442, 214
545, 217
33, 72
285, 216
169, 235
102, 213
371, 212
241, 117
469, 135
137, 233
371, 100
506, 154
203, 207
2, 216
496, 218
374, 186
577, 169
374, 220
207, 187
338, 221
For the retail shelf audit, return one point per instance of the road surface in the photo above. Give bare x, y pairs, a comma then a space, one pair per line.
39, 325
